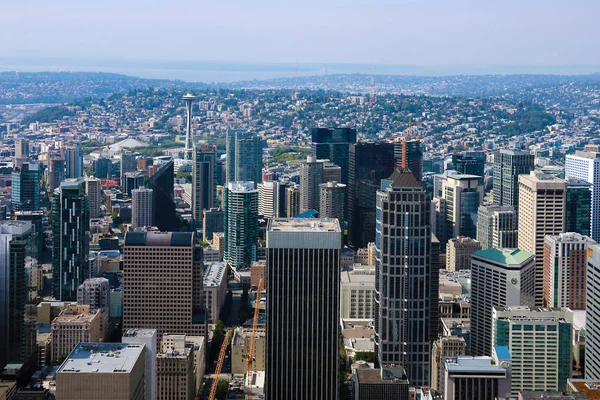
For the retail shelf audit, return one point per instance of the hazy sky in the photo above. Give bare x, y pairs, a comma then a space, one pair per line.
422, 32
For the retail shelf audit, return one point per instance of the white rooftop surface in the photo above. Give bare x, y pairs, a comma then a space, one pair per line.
104, 358
351, 279
305, 225
213, 275
139, 332
240, 186
468, 363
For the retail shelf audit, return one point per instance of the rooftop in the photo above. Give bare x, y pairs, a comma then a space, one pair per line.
505, 256
349, 278
472, 364
304, 225
214, 273
587, 386
158, 238
373, 376
247, 186
139, 333
102, 358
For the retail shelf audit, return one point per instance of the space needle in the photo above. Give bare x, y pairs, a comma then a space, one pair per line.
189, 100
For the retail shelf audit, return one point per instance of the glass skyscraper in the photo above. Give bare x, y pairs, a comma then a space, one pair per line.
578, 207
333, 145
161, 184
240, 224
204, 184
508, 165
25, 195
244, 157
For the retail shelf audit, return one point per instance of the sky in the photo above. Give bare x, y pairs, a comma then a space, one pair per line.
397, 32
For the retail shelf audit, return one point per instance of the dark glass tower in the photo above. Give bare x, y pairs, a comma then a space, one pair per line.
73, 162
302, 340
161, 183
578, 207
409, 155
369, 163
70, 226
26, 188
403, 289
204, 185
508, 165
333, 144
469, 163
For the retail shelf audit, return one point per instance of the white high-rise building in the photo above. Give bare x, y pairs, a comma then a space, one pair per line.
142, 207
541, 212
93, 190
271, 199
94, 292
585, 165
311, 176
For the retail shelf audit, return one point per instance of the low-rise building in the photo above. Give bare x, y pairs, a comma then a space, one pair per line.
240, 346
175, 377
445, 346
76, 324
215, 289
380, 383
357, 292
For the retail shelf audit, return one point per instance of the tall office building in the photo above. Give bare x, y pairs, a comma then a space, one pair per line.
331, 172
333, 145
189, 99
241, 224
142, 207
94, 368
578, 207
369, 163
128, 164
271, 199
56, 171
403, 271
565, 263
539, 341
463, 195
292, 201
499, 278
592, 335
15, 237
303, 271
175, 377
103, 168
212, 222
332, 200
21, 148
146, 337
161, 184
585, 165
311, 176
541, 213
497, 227
25, 194
73, 162
93, 191
173, 262
408, 154
459, 251
204, 184
469, 163
70, 230
244, 157
94, 292
508, 165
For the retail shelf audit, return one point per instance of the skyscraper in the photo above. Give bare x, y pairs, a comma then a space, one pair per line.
212, 222
189, 102
403, 271
409, 154
93, 190
499, 278
128, 164
292, 202
469, 163
592, 329
541, 213
25, 194
172, 262
244, 157
508, 165
204, 185
369, 163
585, 165
94, 292
142, 207
271, 199
459, 251
70, 229
497, 227
21, 148
539, 341
463, 195
241, 224
332, 200
303, 271
578, 206
15, 236
103, 168
73, 162
565, 263
311, 176
133, 180
333, 145
56, 171
161, 184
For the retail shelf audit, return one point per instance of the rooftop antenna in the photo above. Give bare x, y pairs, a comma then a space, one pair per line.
295, 92
372, 99
326, 84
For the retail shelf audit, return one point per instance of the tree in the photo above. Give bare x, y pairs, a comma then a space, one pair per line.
364, 356
222, 390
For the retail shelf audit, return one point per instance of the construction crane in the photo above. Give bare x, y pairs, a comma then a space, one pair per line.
250, 354
215, 383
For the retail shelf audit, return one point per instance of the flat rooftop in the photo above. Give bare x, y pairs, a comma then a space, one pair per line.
590, 387
214, 273
304, 225
103, 358
148, 333
373, 376
472, 364
357, 279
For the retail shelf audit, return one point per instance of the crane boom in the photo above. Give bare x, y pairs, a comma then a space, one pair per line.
253, 338
215, 383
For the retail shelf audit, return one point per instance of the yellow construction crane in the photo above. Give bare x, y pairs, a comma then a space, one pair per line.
215, 383
250, 354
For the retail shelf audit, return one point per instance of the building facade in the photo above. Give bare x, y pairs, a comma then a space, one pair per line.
204, 183
212, 221
357, 294
240, 224
94, 292
244, 157
303, 272
25, 192
161, 183
93, 191
333, 145
592, 337
497, 227
445, 346
578, 207
458, 253
508, 165
73, 162
311, 176
142, 207
332, 199
463, 195
585, 165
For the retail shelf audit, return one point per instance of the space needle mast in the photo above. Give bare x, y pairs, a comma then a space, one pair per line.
189, 100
